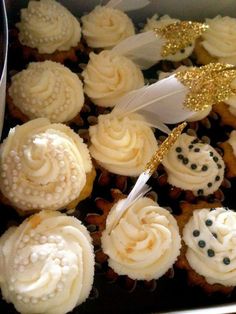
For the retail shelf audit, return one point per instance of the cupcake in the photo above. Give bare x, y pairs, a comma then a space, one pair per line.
108, 77
45, 90
47, 264
229, 155
47, 30
44, 166
217, 44
122, 145
194, 166
144, 243
156, 22
208, 253
104, 27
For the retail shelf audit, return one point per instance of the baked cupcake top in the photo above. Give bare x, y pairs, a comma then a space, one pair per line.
43, 165
145, 242
47, 264
104, 27
195, 166
232, 141
122, 145
155, 22
210, 236
219, 39
48, 26
108, 77
48, 90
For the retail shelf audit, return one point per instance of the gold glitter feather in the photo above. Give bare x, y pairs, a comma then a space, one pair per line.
179, 35
207, 85
164, 148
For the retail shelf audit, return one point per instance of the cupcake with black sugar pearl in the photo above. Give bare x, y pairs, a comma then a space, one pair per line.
208, 233
194, 166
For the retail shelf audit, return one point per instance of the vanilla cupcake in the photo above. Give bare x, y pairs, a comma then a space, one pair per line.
156, 22
45, 90
46, 264
229, 155
209, 251
108, 77
194, 166
44, 166
144, 243
217, 43
122, 145
47, 30
104, 27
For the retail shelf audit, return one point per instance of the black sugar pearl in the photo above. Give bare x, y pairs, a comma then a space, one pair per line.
178, 149
200, 192
185, 161
182, 50
215, 158
194, 141
190, 146
204, 168
180, 156
226, 260
219, 166
211, 154
214, 235
209, 184
197, 150
217, 178
193, 166
212, 209
201, 244
196, 233
226, 208
208, 222
210, 253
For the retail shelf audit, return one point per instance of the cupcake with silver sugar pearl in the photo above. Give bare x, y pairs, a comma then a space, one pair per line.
45, 90
208, 253
194, 166
44, 166
46, 264
48, 31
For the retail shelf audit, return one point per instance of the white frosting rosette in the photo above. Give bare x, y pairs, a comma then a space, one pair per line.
43, 165
156, 22
195, 166
220, 39
104, 27
210, 237
108, 77
48, 26
122, 145
47, 264
145, 242
48, 90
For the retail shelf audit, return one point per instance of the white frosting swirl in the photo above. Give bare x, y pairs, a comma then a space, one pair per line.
215, 257
232, 141
220, 39
47, 264
43, 165
49, 90
145, 243
48, 26
109, 76
155, 22
122, 145
194, 166
105, 27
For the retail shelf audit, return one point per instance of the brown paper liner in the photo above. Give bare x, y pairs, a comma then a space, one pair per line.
202, 55
229, 159
227, 118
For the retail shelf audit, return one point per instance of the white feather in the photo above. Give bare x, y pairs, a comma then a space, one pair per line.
162, 100
127, 5
144, 49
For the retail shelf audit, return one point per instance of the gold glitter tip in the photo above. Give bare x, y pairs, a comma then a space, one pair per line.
179, 35
207, 85
164, 148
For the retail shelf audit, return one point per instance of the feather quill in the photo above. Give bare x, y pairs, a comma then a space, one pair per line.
127, 5
140, 188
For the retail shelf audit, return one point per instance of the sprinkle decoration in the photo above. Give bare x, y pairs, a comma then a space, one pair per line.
179, 35
207, 85
164, 148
